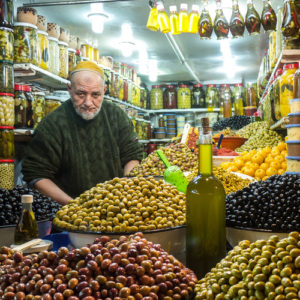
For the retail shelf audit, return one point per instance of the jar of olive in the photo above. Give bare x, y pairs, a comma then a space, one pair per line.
6, 44
7, 110
156, 97
51, 103
183, 97
6, 77
38, 107
22, 106
198, 96
7, 170
7, 145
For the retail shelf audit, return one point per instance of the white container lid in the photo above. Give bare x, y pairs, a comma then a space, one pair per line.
25, 25
183, 6
63, 43
71, 50
50, 38
42, 32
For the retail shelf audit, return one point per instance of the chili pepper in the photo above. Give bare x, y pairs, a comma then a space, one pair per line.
253, 27
295, 19
223, 30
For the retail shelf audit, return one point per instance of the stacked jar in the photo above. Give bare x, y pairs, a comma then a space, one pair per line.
251, 99
198, 96
43, 50
156, 97
51, 103
225, 100
71, 60
183, 97
38, 107
63, 60
171, 130
212, 97
238, 99
180, 122
170, 97
53, 31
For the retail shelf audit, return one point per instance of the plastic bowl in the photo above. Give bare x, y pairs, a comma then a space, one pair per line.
231, 142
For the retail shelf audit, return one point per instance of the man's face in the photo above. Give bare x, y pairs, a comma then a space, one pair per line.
87, 91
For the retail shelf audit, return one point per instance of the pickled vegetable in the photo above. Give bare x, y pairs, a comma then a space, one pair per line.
212, 100
6, 13
221, 26
51, 103
53, 55
6, 77
43, 50
290, 23
7, 146
170, 97
6, 44
156, 97
237, 24
198, 96
205, 23
252, 21
7, 109
268, 17
7, 170
183, 97
72, 59
63, 60
38, 108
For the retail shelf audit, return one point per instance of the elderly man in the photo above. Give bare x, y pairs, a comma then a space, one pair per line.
83, 142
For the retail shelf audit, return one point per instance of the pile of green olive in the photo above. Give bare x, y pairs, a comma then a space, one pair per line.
266, 269
124, 205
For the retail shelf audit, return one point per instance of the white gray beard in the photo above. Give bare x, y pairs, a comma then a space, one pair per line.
87, 116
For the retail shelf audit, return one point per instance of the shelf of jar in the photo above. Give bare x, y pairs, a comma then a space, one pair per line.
186, 110
40, 76
140, 120
280, 124
125, 103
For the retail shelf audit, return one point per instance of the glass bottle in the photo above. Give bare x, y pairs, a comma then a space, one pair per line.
238, 102
174, 20
252, 21
6, 13
268, 17
205, 211
194, 19
277, 94
290, 23
296, 90
163, 19
152, 23
184, 18
237, 24
221, 26
198, 96
205, 28
26, 228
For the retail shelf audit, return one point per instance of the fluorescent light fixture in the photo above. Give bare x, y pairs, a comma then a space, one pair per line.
97, 17
127, 48
143, 58
127, 42
153, 70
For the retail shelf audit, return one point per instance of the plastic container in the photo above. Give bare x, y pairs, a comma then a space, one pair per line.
7, 109
293, 147
43, 50
170, 97
71, 59
7, 145
156, 97
51, 103
6, 77
293, 163
7, 170
183, 97
38, 107
6, 44
294, 118
295, 105
53, 55
63, 60
293, 132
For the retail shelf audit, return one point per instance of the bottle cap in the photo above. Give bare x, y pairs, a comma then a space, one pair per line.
160, 7
195, 8
27, 198
173, 8
183, 6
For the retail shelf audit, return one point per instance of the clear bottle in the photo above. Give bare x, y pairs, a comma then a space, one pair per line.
26, 228
205, 27
221, 26
238, 99
252, 21
290, 23
163, 19
152, 23
184, 18
205, 212
194, 19
268, 17
174, 20
237, 24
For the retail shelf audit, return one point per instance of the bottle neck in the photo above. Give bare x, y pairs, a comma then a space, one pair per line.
205, 154
27, 206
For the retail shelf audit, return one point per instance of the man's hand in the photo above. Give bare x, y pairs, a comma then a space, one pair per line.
129, 166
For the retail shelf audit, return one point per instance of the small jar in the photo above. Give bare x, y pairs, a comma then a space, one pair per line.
53, 55
43, 50
7, 174
183, 97
22, 107
198, 96
63, 60
156, 97
7, 143
6, 77
170, 97
72, 59
7, 13
212, 99
7, 109
38, 107
6, 44
51, 103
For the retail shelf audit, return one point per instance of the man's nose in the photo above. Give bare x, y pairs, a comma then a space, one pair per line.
88, 100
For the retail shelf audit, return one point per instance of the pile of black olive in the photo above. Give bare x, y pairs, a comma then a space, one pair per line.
273, 204
10, 205
234, 123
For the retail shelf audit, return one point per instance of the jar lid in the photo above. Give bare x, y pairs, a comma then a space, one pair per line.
291, 66
238, 84
170, 86
6, 160
198, 85
50, 38
293, 142
292, 125
183, 86
42, 32
7, 94
71, 50
156, 86
22, 24
7, 29
212, 85
225, 85
22, 87
26, 198
295, 100
294, 114
63, 43
293, 157
7, 127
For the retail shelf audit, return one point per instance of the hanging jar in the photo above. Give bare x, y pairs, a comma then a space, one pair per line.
252, 21
6, 13
174, 20
183, 18
194, 19
290, 23
152, 23
221, 26
205, 28
237, 24
268, 17
163, 19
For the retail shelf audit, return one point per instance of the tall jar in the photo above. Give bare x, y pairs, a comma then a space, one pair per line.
130, 95
96, 55
238, 99
71, 59
23, 107
251, 95
7, 13
183, 97
38, 108
170, 97
7, 77
286, 88
106, 80
212, 100
111, 84
225, 100
116, 85
121, 88
156, 97
7, 145
63, 59
198, 96
25, 43
7, 173
51, 103
277, 94
7, 109
53, 55
125, 90
6, 44
43, 50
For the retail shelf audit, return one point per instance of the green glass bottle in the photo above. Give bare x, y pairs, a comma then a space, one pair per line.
205, 212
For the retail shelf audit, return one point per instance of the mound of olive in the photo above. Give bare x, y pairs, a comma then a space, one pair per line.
124, 205
128, 268
266, 269
11, 207
235, 123
273, 204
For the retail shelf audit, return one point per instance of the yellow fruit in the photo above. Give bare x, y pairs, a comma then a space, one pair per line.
266, 177
284, 165
257, 158
271, 171
232, 169
284, 153
247, 157
249, 171
281, 146
260, 173
238, 163
267, 150
226, 165
275, 152
253, 152
275, 164
248, 163
269, 159
280, 158
264, 166
280, 171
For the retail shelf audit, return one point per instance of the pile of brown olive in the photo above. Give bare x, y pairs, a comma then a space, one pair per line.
124, 205
128, 268
266, 269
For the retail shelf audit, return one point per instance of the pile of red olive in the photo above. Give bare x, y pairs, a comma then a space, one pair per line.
125, 268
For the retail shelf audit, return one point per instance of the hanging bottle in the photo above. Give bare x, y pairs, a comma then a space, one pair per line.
252, 21
205, 211
194, 19
290, 23
237, 24
184, 18
152, 23
163, 19
26, 228
174, 20
268, 17
205, 23
221, 26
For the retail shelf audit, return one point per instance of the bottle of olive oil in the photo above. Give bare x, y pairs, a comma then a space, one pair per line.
27, 228
205, 211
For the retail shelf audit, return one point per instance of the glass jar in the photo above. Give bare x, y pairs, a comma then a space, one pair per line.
7, 143
286, 88
7, 109
296, 91
130, 91
198, 96
117, 67
183, 97
63, 60
6, 44
268, 17
116, 85
125, 90
7, 174
53, 55
106, 80
38, 107
238, 99
212, 99
51, 103
7, 13
156, 97
6, 77
111, 84
277, 94
43, 50
121, 88
72, 59
290, 23
221, 26
25, 43
205, 27
95, 55
251, 95
170, 97
252, 19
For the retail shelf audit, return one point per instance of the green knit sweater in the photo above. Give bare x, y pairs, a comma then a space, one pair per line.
77, 154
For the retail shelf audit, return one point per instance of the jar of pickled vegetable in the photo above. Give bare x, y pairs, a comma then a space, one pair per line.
7, 13
72, 59
111, 84
183, 97
51, 103
43, 50
286, 88
296, 91
63, 60
251, 95
130, 91
7, 143
25, 43
121, 88
238, 99
170, 97
7, 109
6, 77
198, 96
277, 94
38, 107
106, 80
117, 67
156, 97
6, 44
125, 90
95, 55
7, 174
212, 98
53, 55
116, 85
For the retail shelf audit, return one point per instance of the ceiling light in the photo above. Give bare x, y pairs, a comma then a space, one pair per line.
127, 48
127, 43
97, 17
153, 70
